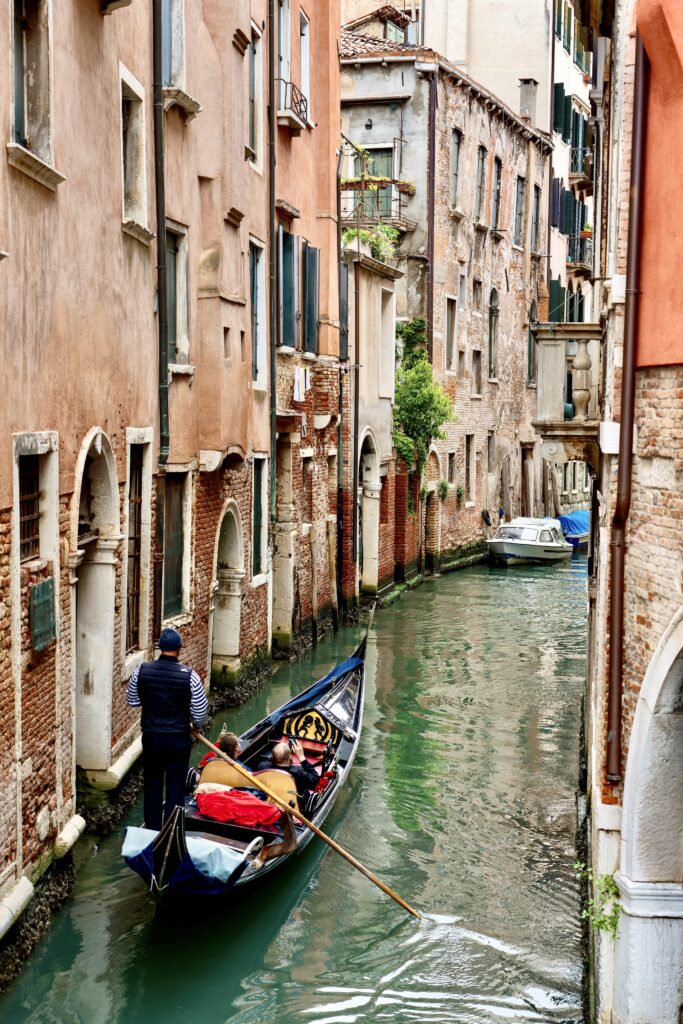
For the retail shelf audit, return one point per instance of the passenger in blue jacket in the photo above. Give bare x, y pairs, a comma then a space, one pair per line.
173, 701
304, 774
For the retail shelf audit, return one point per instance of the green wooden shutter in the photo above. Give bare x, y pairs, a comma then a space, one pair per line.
567, 119
19, 74
174, 544
41, 614
257, 519
288, 291
558, 106
253, 298
312, 298
166, 43
569, 213
172, 294
556, 302
558, 18
344, 311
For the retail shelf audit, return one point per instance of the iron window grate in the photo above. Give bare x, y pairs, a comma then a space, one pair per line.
41, 609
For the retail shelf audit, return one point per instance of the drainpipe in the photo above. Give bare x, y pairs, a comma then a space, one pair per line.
340, 408
628, 382
430, 215
273, 256
356, 404
160, 198
551, 118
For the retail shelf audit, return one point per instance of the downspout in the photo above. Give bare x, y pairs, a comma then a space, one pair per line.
160, 198
551, 118
356, 405
628, 382
340, 409
430, 215
272, 268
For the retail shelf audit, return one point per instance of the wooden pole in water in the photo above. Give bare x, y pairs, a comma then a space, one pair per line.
254, 783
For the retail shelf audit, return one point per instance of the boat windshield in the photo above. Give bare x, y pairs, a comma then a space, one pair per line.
517, 533
342, 701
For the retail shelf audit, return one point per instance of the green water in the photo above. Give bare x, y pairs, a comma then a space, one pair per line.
461, 798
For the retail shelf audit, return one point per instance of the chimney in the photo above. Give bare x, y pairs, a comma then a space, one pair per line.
527, 99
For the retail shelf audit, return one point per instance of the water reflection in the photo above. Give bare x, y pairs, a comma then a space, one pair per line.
461, 799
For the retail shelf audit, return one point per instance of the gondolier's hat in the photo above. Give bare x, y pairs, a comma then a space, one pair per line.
170, 640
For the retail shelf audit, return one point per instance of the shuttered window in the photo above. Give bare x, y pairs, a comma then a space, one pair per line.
19, 74
167, 42
495, 192
344, 311
29, 507
567, 120
569, 213
555, 201
556, 302
288, 292
257, 545
493, 333
251, 144
172, 294
535, 219
558, 106
481, 182
311, 296
134, 548
520, 200
41, 614
174, 543
254, 254
456, 141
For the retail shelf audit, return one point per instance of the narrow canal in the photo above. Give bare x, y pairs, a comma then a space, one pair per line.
461, 798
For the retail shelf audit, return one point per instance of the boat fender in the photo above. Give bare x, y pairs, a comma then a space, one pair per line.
486, 516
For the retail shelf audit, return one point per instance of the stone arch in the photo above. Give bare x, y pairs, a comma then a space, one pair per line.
650, 937
369, 490
432, 512
226, 605
95, 538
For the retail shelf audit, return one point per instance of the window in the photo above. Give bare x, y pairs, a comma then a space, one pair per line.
586, 477
470, 467
384, 502
310, 259
545, 537
451, 467
451, 334
567, 27
288, 291
377, 163
461, 364
491, 453
305, 51
531, 346
32, 77
520, 196
255, 98
574, 475
29, 507
172, 41
558, 19
176, 296
462, 291
387, 348
477, 295
259, 521
257, 298
481, 184
394, 32
556, 301
456, 143
535, 219
495, 195
284, 59
565, 478
176, 544
307, 492
134, 548
476, 372
133, 151
558, 107
493, 333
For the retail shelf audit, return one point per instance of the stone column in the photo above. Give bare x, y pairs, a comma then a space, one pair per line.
581, 380
370, 513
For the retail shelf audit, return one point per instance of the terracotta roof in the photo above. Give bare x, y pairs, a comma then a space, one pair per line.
353, 44
385, 13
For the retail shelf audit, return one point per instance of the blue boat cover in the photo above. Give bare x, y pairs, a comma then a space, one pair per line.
207, 869
575, 523
316, 692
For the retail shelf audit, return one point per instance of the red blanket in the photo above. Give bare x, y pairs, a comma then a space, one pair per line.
237, 808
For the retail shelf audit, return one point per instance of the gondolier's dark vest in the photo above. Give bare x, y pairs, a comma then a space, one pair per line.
165, 692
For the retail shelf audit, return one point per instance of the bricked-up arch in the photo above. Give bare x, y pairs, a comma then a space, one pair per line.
95, 550
226, 614
432, 513
650, 938
369, 487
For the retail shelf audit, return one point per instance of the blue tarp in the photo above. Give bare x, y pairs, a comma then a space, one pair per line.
575, 523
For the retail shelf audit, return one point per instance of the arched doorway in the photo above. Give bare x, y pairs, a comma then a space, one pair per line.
432, 514
227, 603
370, 488
649, 948
95, 539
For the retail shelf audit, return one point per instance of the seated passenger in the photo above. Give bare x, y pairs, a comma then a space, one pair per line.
304, 774
216, 770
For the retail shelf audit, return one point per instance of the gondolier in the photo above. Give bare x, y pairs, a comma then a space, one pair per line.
172, 699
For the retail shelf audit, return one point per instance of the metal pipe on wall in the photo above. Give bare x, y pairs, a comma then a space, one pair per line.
356, 403
430, 215
272, 262
160, 201
628, 382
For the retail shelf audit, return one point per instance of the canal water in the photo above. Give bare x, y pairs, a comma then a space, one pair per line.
461, 798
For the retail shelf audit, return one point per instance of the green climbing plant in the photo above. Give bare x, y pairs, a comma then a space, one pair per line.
602, 904
443, 489
381, 239
411, 336
421, 407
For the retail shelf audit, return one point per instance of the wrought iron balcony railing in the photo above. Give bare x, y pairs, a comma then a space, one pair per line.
578, 159
292, 102
580, 251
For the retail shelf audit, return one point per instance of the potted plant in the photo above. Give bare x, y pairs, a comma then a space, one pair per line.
586, 231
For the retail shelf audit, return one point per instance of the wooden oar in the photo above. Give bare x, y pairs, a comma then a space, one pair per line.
254, 783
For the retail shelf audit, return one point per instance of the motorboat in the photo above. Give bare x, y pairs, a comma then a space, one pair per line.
576, 527
525, 540
225, 837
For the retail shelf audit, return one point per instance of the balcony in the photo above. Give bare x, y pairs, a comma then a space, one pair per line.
292, 107
568, 353
580, 254
380, 202
581, 168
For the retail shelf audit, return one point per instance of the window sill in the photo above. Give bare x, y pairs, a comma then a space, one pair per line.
531, 384
450, 373
180, 370
177, 621
109, 6
286, 118
259, 580
492, 380
517, 247
470, 504
133, 661
261, 387
536, 255
174, 97
285, 350
138, 231
34, 565
476, 398
310, 357
31, 165
498, 234
455, 213
480, 226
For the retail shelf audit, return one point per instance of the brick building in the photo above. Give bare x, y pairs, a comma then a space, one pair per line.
466, 188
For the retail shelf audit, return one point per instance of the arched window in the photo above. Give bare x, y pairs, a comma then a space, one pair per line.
493, 332
531, 346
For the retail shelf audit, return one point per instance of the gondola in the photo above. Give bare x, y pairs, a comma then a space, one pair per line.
227, 838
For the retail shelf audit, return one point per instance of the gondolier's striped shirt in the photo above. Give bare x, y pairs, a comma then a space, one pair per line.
199, 705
